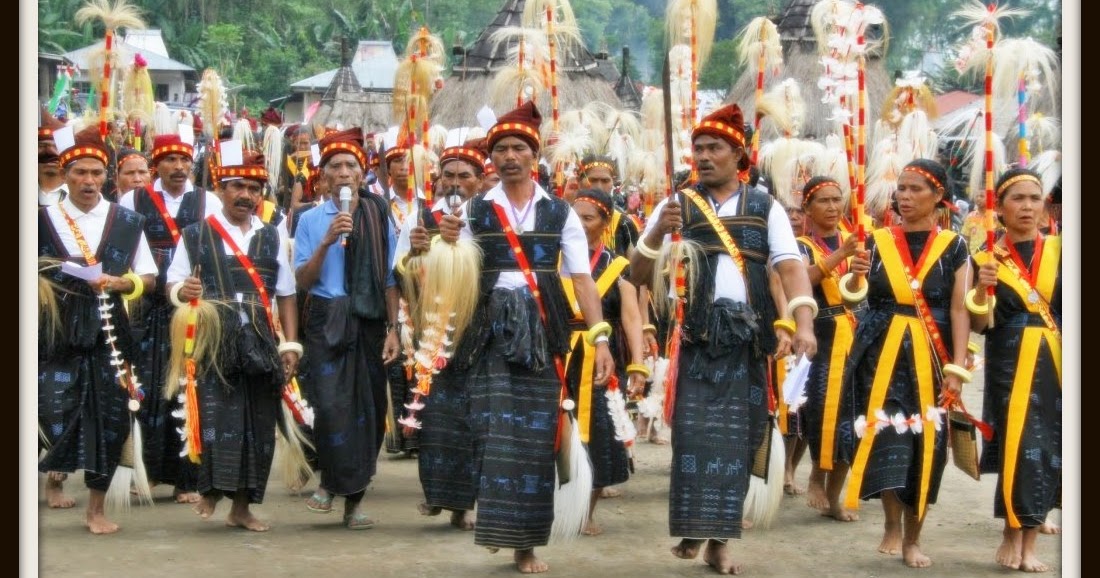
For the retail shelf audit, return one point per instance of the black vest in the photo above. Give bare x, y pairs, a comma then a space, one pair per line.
542, 247
749, 229
248, 349
192, 210
78, 305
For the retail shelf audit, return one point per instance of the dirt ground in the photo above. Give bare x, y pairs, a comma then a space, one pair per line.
167, 539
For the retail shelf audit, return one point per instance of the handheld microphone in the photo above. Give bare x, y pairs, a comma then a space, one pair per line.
345, 206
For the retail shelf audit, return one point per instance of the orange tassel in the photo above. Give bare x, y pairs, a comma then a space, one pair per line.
194, 431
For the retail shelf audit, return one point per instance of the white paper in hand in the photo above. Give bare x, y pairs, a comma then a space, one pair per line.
794, 386
89, 273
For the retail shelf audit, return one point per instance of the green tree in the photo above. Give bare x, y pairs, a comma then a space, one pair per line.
223, 42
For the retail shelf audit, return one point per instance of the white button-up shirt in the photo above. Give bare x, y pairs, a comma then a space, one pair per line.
91, 226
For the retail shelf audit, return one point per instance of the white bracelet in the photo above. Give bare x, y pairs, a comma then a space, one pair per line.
600, 339
646, 251
290, 346
802, 301
174, 294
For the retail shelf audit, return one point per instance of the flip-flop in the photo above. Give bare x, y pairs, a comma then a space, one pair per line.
358, 521
324, 504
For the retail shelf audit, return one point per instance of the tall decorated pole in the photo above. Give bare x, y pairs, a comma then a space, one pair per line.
759, 50
114, 16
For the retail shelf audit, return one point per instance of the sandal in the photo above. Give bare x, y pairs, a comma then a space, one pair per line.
319, 504
359, 521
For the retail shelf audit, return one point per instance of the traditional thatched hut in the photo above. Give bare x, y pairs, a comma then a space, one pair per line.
626, 88
582, 78
346, 104
802, 62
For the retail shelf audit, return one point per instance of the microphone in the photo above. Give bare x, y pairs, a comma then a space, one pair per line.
345, 206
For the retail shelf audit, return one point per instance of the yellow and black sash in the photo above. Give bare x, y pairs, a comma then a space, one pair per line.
588, 363
1030, 344
843, 337
923, 362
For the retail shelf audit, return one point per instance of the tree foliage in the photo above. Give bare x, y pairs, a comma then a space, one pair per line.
266, 45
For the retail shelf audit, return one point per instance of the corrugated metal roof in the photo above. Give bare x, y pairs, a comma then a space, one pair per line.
80, 56
375, 66
149, 39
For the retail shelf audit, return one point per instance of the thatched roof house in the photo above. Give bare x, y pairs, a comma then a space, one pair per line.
582, 77
802, 62
345, 103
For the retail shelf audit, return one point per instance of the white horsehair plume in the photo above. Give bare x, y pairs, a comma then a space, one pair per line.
569, 146
782, 104
436, 139
1016, 58
273, 155
761, 36
164, 121
1044, 131
883, 168
577, 122
780, 160
121, 14
212, 102
678, 17
974, 54
242, 131
1049, 166
566, 32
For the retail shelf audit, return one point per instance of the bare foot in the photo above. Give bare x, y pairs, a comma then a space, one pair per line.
891, 540
55, 494
528, 563
205, 507
656, 439
247, 521
1049, 527
187, 497
1033, 564
610, 492
914, 558
747, 524
426, 510
687, 549
99, 524
464, 519
718, 556
793, 489
840, 514
1008, 553
592, 528
815, 493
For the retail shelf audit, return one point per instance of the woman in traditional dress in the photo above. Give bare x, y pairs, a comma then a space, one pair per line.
828, 252
606, 448
908, 358
1023, 369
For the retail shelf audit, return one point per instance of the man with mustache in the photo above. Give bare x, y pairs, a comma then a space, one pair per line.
510, 355
342, 258
51, 182
169, 204
234, 258
84, 328
720, 414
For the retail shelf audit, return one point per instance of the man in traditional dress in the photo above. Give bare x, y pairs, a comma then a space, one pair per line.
446, 455
85, 344
342, 258
169, 204
511, 352
234, 258
720, 413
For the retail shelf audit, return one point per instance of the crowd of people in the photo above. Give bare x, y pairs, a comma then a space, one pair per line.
186, 292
